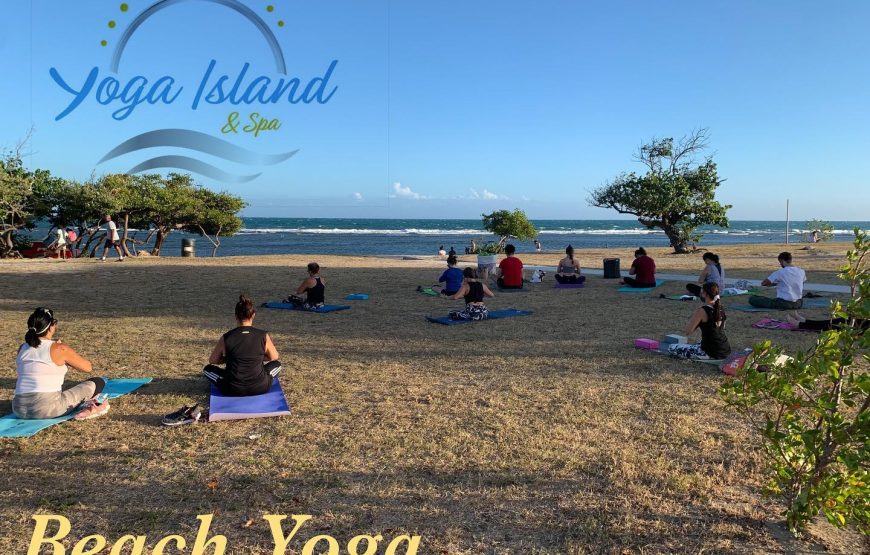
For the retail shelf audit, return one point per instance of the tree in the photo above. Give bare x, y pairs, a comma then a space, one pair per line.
825, 229
674, 195
214, 215
25, 198
813, 411
505, 223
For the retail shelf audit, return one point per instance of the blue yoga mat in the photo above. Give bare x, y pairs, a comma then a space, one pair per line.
493, 315
627, 289
808, 303
12, 426
357, 297
268, 404
569, 285
321, 310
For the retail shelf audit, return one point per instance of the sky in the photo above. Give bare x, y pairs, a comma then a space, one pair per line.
451, 109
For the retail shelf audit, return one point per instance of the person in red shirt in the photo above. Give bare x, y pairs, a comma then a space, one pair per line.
643, 268
510, 275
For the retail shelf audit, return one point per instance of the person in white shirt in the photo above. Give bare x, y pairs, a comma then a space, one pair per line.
789, 282
112, 239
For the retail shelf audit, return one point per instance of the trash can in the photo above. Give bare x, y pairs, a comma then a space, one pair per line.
611, 268
188, 247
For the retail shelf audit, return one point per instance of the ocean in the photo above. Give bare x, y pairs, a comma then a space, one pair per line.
423, 237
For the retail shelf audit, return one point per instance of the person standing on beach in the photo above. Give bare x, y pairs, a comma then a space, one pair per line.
537, 246
441, 251
112, 239
712, 272
789, 282
643, 268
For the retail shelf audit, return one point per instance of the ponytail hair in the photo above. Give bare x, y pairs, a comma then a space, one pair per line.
569, 250
245, 308
469, 272
640, 252
711, 289
38, 325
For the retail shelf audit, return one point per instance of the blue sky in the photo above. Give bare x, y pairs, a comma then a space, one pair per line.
449, 109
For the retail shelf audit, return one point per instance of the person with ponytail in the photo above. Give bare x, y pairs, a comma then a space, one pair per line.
568, 270
249, 357
712, 273
710, 319
42, 364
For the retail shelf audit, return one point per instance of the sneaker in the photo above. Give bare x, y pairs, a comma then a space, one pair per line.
92, 409
103, 259
184, 415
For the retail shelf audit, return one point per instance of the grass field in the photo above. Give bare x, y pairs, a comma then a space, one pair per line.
543, 434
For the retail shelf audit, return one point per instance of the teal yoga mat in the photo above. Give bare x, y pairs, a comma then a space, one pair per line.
12, 426
493, 315
627, 289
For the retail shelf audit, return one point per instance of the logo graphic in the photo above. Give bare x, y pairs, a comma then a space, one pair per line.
214, 88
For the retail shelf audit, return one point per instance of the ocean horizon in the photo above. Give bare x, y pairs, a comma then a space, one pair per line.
405, 236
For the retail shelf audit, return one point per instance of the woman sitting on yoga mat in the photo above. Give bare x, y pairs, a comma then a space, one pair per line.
42, 365
314, 289
250, 356
568, 270
710, 319
473, 291
712, 273
643, 268
451, 278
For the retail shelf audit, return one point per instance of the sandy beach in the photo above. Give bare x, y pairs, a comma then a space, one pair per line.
543, 434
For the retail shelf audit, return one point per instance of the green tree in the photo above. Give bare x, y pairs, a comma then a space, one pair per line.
812, 412
215, 216
675, 194
25, 198
825, 229
505, 223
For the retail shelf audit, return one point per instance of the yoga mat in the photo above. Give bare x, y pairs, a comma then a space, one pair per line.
685, 297
12, 426
568, 285
428, 291
627, 289
322, 310
272, 403
771, 324
493, 315
357, 297
808, 303
713, 361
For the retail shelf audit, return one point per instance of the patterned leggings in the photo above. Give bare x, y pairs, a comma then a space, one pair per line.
470, 312
691, 351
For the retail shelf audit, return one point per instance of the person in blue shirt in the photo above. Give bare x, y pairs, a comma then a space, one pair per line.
451, 278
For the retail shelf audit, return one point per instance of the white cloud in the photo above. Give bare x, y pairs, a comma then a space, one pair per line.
402, 191
526, 198
357, 196
487, 195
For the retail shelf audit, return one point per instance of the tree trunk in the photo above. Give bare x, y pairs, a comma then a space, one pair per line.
680, 245
6, 245
158, 240
124, 238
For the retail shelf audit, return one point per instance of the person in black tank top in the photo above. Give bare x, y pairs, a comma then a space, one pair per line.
250, 357
314, 289
473, 292
710, 319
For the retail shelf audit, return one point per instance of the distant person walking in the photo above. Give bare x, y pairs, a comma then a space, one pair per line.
537, 246
451, 252
112, 239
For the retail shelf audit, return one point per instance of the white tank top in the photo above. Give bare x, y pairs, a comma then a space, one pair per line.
37, 373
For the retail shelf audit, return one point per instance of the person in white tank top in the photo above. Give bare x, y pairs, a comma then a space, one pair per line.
42, 365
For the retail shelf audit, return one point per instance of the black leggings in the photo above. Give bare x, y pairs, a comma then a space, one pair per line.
501, 285
694, 289
832, 324
217, 376
631, 282
570, 279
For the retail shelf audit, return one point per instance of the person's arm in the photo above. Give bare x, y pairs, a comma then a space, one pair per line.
772, 279
271, 351
461, 293
703, 277
632, 270
487, 292
63, 354
443, 277
306, 284
699, 316
766, 283
217, 354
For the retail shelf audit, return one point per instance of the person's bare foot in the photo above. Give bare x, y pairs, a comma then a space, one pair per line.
791, 319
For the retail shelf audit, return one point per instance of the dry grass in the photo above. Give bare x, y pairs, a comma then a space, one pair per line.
546, 434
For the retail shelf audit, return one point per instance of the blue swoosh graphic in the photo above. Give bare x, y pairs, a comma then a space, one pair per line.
190, 164
195, 140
